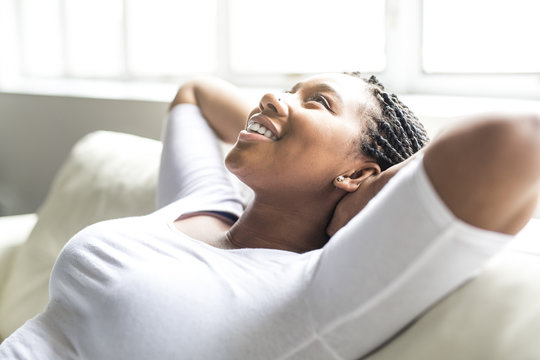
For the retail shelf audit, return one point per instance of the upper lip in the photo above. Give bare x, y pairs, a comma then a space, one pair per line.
264, 121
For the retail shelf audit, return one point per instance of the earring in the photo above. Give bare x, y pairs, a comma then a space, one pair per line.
340, 178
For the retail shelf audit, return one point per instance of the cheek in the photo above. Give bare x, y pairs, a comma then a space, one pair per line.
319, 163
316, 163
330, 158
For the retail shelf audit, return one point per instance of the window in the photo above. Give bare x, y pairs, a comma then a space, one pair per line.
170, 38
160, 39
306, 36
481, 47
481, 36
92, 38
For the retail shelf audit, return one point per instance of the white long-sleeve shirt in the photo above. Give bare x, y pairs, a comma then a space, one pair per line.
137, 288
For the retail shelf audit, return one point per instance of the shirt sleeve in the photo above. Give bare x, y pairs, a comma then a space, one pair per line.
38, 338
390, 263
192, 163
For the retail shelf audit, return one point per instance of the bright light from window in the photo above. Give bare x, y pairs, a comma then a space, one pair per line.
93, 37
41, 38
171, 37
478, 43
9, 61
302, 36
481, 36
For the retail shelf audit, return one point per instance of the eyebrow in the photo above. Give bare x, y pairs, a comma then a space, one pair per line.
321, 87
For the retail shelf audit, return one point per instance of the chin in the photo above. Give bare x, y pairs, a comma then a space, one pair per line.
241, 165
235, 162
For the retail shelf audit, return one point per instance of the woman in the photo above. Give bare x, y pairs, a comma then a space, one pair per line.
201, 278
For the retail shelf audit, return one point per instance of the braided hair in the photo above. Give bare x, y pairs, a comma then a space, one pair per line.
393, 132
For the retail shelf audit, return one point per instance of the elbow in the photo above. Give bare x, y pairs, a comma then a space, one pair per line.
531, 133
191, 90
520, 137
185, 94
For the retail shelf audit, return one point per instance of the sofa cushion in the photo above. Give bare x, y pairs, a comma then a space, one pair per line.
107, 175
14, 231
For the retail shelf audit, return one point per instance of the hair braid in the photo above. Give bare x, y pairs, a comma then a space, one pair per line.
392, 138
382, 159
393, 132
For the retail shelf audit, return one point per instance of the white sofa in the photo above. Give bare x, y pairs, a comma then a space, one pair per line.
110, 175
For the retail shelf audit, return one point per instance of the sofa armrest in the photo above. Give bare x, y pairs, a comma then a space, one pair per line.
14, 230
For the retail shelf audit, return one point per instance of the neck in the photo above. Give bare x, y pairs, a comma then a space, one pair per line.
277, 224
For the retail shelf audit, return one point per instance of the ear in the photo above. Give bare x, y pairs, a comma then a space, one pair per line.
351, 180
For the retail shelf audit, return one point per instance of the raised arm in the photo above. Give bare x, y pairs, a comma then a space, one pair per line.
414, 243
191, 160
487, 171
352, 203
225, 107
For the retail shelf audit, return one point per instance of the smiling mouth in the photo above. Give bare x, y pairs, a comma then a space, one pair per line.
256, 128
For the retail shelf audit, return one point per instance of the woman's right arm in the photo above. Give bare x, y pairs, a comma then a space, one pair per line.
352, 203
463, 163
224, 106
430, 229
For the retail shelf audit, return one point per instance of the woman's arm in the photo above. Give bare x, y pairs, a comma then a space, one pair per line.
223, 105
352, 203
487, 171
414, 243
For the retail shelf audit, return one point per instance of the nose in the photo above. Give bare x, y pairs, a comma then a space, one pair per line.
273, 103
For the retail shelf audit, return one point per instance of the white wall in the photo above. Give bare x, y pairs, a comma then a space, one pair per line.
37, 132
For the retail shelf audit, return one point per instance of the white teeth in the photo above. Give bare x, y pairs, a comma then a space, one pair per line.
254, 126
258, 128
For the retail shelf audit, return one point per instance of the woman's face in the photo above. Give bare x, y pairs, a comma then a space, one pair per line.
310, 135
